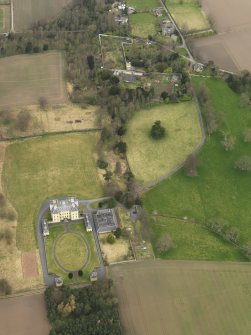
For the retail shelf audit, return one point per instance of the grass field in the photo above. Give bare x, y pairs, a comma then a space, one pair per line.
27, 12
150, 159
74, 250
177, 298
188, 14
143, 4
26, 78
142, 24
5, 18
219, 190
46, 167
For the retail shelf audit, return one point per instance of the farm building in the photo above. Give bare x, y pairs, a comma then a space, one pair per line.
105, 220
88, 221
121, 19
167, 27
198, 67
64, 209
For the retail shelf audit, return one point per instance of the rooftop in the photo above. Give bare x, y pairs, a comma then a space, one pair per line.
62, 205
105, 220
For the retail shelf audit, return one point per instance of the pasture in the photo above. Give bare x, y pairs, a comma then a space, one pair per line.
71, 252
26, 78
46, 167
143, 4
142, 24
27, 12
188, 14
219, 190
230, 49
181, 297
5, 17
150, 159
30, 315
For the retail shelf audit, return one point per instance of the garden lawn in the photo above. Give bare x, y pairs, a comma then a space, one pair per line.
188, 14
219, 190
46, 167
142, 24
143, 4
149, 159
53, 268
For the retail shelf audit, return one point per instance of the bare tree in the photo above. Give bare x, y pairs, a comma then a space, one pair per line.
243, 163
43, 103
247, 135
23, 120
228, 141
164, 243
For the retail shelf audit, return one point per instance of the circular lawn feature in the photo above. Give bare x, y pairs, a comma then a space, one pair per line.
71, 252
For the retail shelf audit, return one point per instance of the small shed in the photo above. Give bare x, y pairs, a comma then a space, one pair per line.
93, 276
45, 228
58, 281
167, 27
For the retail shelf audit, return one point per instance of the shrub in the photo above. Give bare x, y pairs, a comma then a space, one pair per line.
243, 163
5, 287
110, 239
247, 135
102, 164
164, 243
70, 275
80, 273
117, 233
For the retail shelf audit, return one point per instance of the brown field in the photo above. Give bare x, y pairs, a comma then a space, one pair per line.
56, 118
116, 252
27, 12
26, 78
24, 316
29, 264
231, 48
183, 298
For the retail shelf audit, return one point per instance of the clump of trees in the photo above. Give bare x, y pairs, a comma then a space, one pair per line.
243, 163
23, 120
164, 244
228, 141
89, 310
157, 130
222, 228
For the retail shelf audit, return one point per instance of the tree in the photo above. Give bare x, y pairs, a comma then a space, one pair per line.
90, 62
80, 273
110, 239
43, 103
5, 287
121, 131
108, 175
28, 47
158, 131
23, 120
117, 233
121, 147
203, 94
247, 251
191, 165
247, 135
164, 244
70, 275
118, 168
164, 95
243, 163
2, 200
228, 141
102, 164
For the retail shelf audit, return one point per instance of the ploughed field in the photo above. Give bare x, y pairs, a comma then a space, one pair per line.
230, 49
179, 297
26, 12
26, 78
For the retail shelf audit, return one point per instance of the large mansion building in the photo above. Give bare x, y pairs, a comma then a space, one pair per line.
64, 209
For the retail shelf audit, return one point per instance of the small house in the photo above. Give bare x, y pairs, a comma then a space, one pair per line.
121, 19
88, 222
167, 28
45, 228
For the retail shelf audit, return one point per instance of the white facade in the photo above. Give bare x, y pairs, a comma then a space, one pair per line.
64, 209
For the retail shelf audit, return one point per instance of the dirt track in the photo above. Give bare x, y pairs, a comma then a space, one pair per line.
24, 316
231, 48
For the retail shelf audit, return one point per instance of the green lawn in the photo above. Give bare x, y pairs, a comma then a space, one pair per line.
188, 14
219, 190
46, 167
74, 251
71, 251
143, 4
142, 24
150, 159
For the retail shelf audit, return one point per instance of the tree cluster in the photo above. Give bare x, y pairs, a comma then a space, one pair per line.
90, 310
222, 228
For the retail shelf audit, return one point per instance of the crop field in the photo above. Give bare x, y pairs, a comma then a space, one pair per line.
71, 254
230, 49
5, 18
46, 167
219, 191
143, 4
142, 24
27, 12
181, 297
26, 78
150, 159
188, 14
